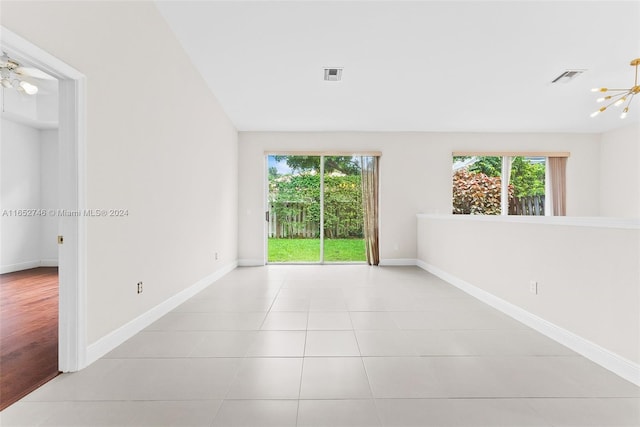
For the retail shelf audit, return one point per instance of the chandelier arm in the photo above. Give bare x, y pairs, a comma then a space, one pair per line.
613, 102
614, 98
620, 95
629, 102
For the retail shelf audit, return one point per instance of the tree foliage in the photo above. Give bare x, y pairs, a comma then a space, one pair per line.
488, 165
344, 164
273, 173
527, 178
475, 193
295, 200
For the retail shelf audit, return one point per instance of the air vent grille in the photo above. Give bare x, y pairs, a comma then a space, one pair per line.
333, 74
567, 76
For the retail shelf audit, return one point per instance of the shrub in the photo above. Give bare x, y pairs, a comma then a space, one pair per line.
475, 193
295, 200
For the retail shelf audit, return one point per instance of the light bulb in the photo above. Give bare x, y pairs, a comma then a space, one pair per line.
595, 113
6, 83
620, 101
624, 113
604, 98
28, 88
599, 89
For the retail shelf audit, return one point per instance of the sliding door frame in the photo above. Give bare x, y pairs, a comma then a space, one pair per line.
322, 155
321, 210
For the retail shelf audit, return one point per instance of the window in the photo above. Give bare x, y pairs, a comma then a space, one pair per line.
527, 183
477, 185
499, 185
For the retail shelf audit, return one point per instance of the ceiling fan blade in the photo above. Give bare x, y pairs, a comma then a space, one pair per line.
6, 62
34, 73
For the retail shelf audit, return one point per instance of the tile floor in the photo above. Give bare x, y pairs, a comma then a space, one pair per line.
334, 346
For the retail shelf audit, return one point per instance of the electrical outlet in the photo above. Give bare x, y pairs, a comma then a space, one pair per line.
533, 287
139, 287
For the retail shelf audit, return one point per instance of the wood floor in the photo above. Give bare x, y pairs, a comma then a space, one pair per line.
28, 331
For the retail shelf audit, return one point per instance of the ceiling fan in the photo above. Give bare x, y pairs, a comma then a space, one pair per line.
13, 75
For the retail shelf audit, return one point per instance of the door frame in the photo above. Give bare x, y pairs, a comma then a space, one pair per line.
322, 156
72, 255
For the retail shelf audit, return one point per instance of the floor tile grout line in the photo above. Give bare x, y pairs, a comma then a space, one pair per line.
271, 306
425, 356
375, 404
304, 351
479, 398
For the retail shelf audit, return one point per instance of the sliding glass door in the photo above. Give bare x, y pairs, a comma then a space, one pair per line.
343, 231
294, 209
315, 210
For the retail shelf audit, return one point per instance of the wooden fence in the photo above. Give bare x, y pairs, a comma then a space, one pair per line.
300, 220
530, 205
297, 222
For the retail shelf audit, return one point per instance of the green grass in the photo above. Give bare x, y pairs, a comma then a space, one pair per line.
344, 250
301, 250
308, 250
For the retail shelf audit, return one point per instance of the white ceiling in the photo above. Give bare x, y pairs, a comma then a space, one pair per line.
459, 66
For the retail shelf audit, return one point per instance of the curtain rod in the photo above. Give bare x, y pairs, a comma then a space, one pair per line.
513, 153
323, 153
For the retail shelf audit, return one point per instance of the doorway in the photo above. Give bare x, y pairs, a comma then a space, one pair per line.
71, 306
29, 222
314, 209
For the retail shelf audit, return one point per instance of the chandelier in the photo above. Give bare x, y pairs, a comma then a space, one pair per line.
11, 76
619, 96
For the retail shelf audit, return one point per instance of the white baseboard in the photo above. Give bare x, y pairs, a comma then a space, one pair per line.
28, 264
110, 341
250, 262
19, 266
49, 262
603, 357
383, 262
398, 262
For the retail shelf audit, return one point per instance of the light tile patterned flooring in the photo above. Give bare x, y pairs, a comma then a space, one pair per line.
334, 346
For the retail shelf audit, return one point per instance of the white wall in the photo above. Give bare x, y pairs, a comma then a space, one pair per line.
21, 189
29, 181
415, 176
19, 105
587, 275
158, 145
49, 196
620, 172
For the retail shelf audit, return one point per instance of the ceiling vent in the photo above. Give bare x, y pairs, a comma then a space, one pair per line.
333, 74
567, 76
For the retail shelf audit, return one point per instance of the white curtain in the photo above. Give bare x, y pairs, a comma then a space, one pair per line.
506, 178
370, 207
556, 188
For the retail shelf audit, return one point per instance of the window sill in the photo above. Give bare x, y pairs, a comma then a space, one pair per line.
600, 222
